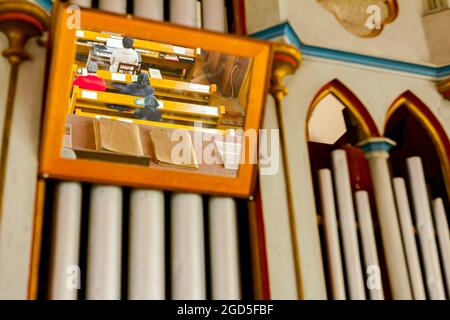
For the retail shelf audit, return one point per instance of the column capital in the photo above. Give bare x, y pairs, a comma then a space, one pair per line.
444, 88
379, 145
21, 20
286, 60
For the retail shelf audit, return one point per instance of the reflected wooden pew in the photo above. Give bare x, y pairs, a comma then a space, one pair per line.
163, 87
138, 44
96, 102
150, 51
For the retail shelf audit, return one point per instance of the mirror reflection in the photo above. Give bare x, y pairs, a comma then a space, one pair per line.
154, 104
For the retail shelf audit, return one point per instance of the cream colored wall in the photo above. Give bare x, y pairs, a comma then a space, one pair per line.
261, 14
318, 27
16, 224
404, 39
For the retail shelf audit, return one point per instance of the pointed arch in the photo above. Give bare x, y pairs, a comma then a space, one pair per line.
431, 125
353, 104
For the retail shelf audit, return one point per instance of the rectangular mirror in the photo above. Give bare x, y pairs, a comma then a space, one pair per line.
148, 104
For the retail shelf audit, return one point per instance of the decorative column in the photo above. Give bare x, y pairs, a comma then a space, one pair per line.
20, 21
377, 153
444, 88
286, 61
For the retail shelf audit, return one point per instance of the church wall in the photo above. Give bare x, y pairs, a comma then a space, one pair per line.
21, 176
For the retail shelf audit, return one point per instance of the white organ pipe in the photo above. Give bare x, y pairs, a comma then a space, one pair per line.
425, 228
213, 13
104, 261
146, 275
224, 249
409, 240
223, 234
188, 277
146, 263
187, 248
442, 229
348, 225
116, 6
64, 264
184, 12
104, 288
149, 9
330, 226
368, 241
82, 3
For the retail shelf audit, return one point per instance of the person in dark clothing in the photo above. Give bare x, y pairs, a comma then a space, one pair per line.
150, 112
140, 88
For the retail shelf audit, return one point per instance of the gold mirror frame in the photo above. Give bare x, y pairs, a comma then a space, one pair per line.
63, 51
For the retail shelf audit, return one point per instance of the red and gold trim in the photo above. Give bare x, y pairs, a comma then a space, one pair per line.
351, 101
431, 124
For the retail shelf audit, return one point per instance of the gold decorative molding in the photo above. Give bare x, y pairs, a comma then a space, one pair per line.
20, 21
444, 88
353, 15
286, 61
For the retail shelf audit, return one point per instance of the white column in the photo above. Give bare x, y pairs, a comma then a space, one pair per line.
19, 192
425, 229
65, 248
82, 3
149, 9
116, 6
376, 151
146, 262
409, 240
184, 12
224, 249
369, 245
330, 227
348, 225
441, 223
187, 248
213, 13
104, 259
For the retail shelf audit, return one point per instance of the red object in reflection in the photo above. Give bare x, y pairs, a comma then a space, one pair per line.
90, 82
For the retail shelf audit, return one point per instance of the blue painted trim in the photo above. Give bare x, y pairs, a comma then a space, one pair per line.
286, 30
377, 146
46, 4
